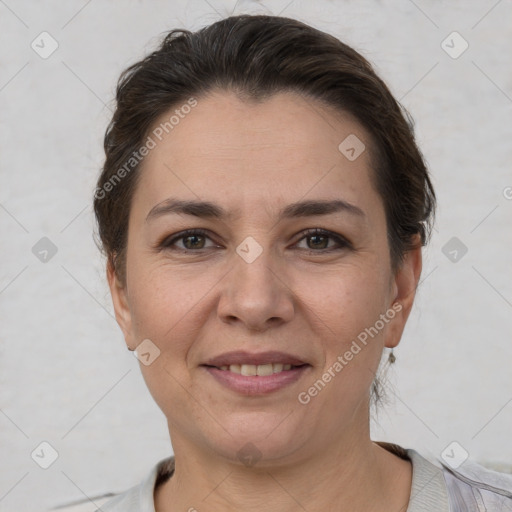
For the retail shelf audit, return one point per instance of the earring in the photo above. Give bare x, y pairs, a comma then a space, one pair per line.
391, 357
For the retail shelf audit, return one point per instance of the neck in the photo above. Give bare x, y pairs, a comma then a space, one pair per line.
354, 472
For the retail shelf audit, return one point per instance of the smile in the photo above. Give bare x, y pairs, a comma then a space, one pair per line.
261, 370
254, 380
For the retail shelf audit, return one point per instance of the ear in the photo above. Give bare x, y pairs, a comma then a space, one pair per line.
404, 286
121, 305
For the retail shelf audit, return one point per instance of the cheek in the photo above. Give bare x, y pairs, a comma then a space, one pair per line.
171, 306
164, 299
345, 301
166, 308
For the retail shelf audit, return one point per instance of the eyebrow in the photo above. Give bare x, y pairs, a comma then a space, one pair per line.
207, 209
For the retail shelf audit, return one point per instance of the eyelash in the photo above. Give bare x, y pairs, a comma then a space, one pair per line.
343, 243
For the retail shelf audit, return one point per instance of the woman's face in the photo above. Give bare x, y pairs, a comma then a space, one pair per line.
254, 279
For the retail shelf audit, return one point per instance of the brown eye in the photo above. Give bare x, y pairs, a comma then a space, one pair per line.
191, 241
319, 241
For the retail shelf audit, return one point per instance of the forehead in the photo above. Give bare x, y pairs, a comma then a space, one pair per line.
221, 122
279, 149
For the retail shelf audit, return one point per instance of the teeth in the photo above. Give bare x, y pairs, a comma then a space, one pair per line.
264, 369
250, 370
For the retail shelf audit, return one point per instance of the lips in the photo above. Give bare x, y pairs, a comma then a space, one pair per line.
241, 358
257, 385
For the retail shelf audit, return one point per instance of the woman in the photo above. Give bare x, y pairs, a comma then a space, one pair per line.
263, 207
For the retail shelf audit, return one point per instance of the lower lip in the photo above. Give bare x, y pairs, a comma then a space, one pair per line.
256, 385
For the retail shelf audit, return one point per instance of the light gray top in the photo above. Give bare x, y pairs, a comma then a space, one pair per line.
428, 490
435, 486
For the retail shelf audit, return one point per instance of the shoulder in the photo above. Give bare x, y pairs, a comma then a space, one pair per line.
469, 487
128, 501
478, 487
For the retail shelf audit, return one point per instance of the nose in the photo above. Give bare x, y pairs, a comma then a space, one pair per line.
256, 294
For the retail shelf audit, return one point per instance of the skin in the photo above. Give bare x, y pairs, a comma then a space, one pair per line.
297, 297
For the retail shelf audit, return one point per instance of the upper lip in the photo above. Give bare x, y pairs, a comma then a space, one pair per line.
243, 357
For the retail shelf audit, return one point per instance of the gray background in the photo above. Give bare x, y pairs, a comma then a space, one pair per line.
65, 374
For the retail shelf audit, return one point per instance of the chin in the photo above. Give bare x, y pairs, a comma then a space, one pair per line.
259, 438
